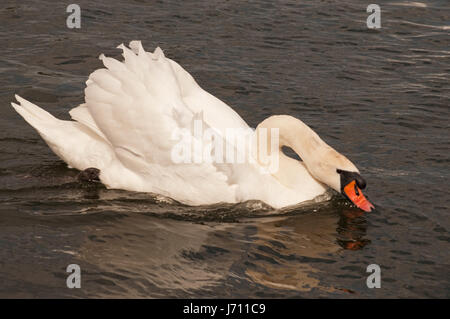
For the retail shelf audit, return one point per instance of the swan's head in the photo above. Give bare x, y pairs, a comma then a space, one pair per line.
351, 187
339, 173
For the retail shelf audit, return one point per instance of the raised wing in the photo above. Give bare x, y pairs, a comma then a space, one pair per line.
137, 106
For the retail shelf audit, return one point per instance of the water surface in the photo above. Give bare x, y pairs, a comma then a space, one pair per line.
381, 97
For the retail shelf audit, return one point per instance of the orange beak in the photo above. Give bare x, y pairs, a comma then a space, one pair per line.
355, 195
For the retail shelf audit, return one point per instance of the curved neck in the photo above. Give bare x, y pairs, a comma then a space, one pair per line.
292, 133
321, 160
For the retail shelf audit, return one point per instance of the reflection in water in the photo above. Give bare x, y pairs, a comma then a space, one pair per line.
307, 239
138, 255
90, 190
143, 256
351, 230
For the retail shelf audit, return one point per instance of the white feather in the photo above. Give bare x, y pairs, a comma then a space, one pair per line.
125, 129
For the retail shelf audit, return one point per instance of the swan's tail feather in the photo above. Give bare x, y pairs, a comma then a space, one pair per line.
55, 132
75, 143
31, 111
35, 116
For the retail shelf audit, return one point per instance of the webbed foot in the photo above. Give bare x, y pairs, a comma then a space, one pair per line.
90, 174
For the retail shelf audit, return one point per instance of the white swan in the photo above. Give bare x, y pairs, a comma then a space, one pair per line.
125, 129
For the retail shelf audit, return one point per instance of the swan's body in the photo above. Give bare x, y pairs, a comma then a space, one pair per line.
125, 129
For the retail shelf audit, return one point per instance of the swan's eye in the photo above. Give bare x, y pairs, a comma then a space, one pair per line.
347, 177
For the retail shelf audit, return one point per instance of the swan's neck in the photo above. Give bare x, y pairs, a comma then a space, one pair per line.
318, 157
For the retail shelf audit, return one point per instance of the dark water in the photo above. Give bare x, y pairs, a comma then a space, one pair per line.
380, 97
